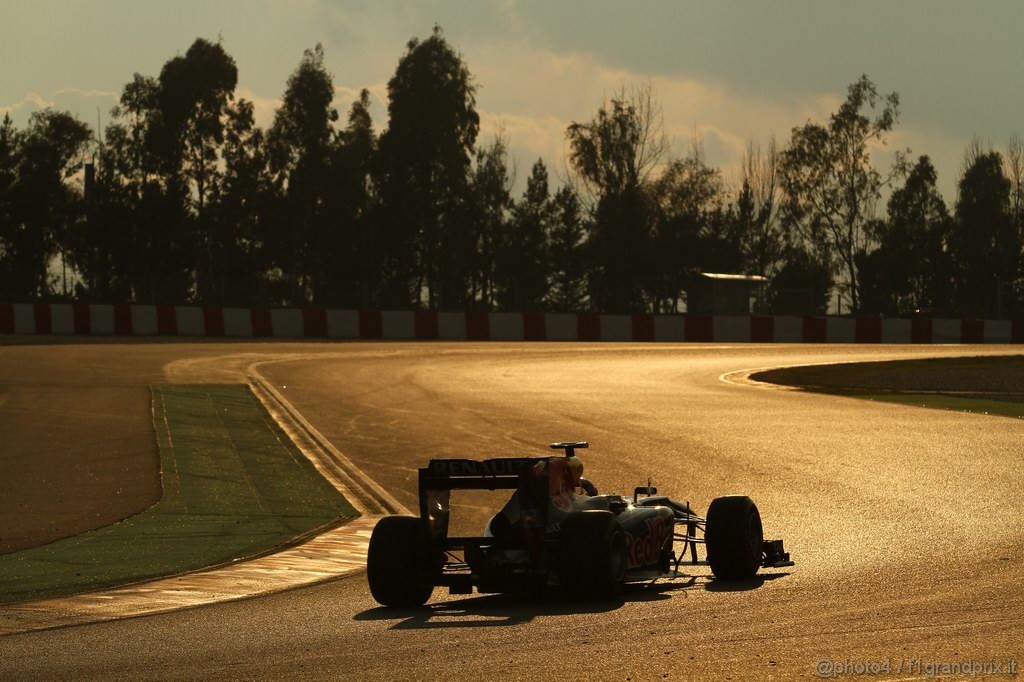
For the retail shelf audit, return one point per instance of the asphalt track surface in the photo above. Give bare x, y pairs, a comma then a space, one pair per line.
904, 522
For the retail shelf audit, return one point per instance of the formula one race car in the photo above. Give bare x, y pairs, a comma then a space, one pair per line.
556, 531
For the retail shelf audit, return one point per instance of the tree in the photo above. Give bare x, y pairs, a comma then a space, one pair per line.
830, 184
474, 262
567, 247
118, 249
354, 249
193, 95
425, 158
758, 210
160, 167
613, 157
691, 233
802, 286
905, 272
41, 203
8, 178
621, 147
984, 242
102, 247
1015, 173
300, 147
237, 239
524, 262
145, 182
136, 113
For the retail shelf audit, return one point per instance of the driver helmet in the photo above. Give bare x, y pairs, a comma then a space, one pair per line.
575, 469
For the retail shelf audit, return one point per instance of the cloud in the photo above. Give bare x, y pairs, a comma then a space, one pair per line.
537, 94
944, 149
263, 108
530, 137
344, 96
532, 92
32, 102
82, 103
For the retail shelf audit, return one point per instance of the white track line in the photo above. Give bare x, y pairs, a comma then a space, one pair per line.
353, 484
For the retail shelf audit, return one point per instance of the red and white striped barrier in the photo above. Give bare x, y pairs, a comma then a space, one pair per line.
318, 323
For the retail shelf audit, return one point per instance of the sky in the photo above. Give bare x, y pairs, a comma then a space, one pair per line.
725, 72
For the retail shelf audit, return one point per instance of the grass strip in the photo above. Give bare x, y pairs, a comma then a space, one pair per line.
234, 486
985, 385
935, 401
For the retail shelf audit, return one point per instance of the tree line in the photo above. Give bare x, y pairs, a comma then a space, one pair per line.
184, 199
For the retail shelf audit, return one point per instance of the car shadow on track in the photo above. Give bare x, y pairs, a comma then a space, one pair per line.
501, 610
741, 585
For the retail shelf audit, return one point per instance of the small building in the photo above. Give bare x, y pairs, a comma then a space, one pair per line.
713, 293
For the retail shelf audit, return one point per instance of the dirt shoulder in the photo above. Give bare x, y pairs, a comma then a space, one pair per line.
78, 445
234, 486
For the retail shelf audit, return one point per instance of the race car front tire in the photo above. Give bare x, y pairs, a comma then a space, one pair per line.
734, 537
397, 564
591, 554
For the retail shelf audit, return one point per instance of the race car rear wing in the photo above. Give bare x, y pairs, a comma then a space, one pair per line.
441, 476
468, 474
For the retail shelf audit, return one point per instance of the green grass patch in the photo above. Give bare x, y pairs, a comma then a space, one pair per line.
234, 486
992, 385
938, 401
965, 373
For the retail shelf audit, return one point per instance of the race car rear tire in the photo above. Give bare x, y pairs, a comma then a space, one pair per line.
734, 537
591, 554
397, 564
